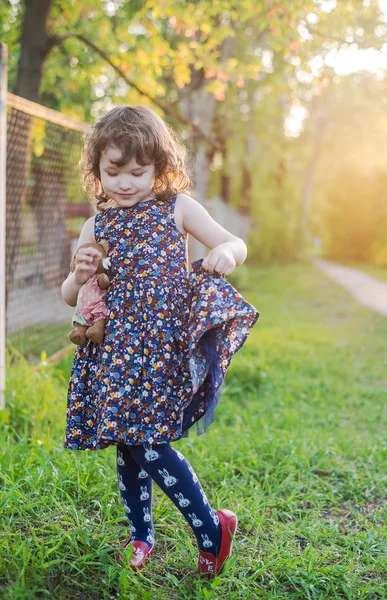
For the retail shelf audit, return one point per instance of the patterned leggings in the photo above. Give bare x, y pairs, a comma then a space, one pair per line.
138, 465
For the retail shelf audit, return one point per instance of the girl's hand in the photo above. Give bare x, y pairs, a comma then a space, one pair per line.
220, 260
86, 264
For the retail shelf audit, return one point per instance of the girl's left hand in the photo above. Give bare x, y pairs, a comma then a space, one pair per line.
220, 260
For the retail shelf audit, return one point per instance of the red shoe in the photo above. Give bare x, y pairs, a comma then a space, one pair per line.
208, 564
140, 554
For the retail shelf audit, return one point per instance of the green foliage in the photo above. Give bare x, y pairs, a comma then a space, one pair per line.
30, 390
276, 237
355, 216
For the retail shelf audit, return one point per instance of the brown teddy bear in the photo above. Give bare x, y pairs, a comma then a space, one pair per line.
91, 311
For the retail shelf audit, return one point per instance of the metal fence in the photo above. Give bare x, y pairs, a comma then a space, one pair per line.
42, 211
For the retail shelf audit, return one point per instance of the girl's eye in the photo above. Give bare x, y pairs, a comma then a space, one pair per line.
114, 174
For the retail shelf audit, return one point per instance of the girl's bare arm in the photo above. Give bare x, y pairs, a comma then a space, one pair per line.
88, 261
199, 223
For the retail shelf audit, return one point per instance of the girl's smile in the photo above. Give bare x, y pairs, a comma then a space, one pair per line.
126, 195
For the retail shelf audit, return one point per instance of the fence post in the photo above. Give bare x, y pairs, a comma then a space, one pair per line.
3, 168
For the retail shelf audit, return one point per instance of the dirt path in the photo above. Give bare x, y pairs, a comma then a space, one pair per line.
366, 289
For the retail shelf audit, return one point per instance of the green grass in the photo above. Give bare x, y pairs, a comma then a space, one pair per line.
297, 450
33, 340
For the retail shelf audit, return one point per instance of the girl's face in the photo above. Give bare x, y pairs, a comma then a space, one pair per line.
127, 185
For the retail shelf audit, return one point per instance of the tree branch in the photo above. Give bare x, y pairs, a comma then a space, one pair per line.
57, 40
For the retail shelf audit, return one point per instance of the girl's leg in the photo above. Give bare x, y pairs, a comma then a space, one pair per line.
175, 476
136, 494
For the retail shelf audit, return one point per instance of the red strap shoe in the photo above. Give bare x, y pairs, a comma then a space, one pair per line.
210, 565
140, 554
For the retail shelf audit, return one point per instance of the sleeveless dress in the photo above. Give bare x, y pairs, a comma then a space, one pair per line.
169, 337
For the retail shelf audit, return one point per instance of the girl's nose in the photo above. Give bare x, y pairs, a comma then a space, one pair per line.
125, 186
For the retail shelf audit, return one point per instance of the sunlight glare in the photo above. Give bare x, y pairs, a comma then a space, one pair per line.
293, 124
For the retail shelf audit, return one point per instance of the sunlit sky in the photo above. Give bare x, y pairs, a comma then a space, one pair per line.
343, 62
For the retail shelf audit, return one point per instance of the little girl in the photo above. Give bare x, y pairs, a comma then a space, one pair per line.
170, 334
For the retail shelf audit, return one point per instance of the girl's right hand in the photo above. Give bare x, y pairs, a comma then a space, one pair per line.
86, 264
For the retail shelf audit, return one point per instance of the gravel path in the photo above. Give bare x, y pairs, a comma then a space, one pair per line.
366, 289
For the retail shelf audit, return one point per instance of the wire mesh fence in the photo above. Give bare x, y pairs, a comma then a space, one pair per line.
45, 212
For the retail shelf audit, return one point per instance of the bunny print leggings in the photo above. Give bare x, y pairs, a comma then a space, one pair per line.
138, 465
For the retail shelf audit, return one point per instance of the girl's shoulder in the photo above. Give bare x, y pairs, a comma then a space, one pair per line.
87, 233
179, 200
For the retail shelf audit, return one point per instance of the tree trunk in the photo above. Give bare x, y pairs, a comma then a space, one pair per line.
245, 199
34, 50
199, 106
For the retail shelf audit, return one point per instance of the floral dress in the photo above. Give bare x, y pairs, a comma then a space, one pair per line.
169, 337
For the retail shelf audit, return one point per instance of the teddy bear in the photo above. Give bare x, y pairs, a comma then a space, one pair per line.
91, 311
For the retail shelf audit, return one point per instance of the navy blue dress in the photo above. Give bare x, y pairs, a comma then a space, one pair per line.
169, 337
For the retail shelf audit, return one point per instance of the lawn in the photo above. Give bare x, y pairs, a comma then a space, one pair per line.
298, 451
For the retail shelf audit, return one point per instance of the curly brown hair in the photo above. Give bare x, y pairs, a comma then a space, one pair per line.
141, 134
